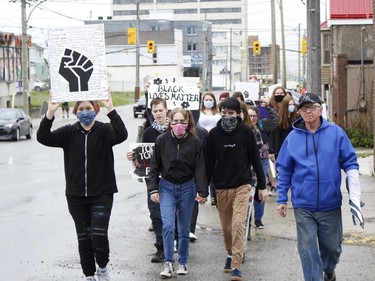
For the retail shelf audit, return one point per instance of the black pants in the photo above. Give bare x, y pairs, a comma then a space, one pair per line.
155, 216
91, 218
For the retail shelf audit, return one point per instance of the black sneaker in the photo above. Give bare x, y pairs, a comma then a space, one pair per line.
329, 276
158, 256
228, 265
259, 224
213, 202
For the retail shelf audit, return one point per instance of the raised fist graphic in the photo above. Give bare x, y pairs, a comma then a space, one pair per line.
76, 69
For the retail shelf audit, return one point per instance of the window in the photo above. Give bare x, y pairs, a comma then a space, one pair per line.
326, 49
191, 30
191, 47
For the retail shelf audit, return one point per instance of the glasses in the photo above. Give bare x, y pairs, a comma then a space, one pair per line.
174, 122
224, 112
311, 108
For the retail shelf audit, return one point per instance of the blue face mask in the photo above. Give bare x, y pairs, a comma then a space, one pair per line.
291, 108
208, 104
86, 117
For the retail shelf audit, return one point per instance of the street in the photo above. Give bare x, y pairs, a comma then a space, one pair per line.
38, 238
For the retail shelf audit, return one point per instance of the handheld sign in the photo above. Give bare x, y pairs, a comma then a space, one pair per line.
77, 63
142, 154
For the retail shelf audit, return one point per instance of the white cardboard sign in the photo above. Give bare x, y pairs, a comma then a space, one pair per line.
77, 63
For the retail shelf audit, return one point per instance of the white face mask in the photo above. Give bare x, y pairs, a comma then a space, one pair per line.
291, 108
208, 104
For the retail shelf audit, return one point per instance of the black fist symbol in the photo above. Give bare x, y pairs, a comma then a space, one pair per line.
76, 69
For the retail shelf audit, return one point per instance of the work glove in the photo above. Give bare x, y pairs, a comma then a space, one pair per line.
353, 187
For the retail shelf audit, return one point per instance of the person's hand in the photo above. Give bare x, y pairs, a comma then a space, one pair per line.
129, 155
355, 209
155, 197
200, 200
263, 194
272, 157
108, 102
282, 210
52, 107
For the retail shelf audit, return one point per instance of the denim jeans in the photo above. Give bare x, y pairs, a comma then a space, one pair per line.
319, 236
91, 218
259, 207
176, 198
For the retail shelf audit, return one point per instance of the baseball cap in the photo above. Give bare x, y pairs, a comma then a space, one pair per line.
309, 97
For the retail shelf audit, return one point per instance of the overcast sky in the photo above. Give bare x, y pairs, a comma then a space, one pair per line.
54, 13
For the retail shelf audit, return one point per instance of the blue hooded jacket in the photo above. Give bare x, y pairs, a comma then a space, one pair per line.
310, 164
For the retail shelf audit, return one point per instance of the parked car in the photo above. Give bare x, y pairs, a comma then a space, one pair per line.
139, 106
38, 85
14, 123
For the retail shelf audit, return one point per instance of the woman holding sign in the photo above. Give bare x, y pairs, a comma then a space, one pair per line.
178, 158
89, 174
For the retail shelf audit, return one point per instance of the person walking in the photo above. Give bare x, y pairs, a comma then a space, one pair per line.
89, 175
310, 163
263, 145
231, 151
207, 120
159, 126
178, 157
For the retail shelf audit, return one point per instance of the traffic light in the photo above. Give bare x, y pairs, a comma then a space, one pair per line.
150, 46
132, 35
304, 46
257, 49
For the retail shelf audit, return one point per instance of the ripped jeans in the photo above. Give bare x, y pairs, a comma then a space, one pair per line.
91, 218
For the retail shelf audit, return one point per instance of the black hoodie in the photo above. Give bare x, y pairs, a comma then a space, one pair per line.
231, 155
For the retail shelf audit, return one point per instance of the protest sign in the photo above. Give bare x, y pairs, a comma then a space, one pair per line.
77, 63
142, 153
176, 91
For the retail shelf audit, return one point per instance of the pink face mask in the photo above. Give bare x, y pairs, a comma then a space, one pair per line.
179, 129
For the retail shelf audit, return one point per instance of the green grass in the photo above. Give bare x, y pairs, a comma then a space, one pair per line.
118, 98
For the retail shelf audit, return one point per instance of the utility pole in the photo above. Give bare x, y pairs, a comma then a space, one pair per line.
204, 63
136, 91
273, 27
25, 60
230, 62
283, 42
299, 58
373, 97
314, 50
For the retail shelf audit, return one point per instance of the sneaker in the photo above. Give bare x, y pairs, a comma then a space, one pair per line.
158, 256
259, 224
175, 246
330, 276
193, 237
90, 278
167, 269
272, 192
228, 265
213, 202
103, 274
150, 228
236, 275
182, 269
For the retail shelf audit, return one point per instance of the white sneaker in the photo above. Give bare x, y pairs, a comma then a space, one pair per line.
175, 246
167, 270
182, 269
103, 274
193, 237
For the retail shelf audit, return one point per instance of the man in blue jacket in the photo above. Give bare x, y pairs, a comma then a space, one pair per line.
310, 163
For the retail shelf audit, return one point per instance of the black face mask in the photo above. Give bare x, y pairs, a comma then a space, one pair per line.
279, 98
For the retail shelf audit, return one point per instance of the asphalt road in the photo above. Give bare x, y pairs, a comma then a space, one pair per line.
38, 239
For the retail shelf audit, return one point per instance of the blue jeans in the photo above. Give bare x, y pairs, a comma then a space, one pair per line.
176, 199
259, 207
319, 236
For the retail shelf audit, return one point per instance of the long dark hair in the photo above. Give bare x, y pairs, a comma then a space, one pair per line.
284, 120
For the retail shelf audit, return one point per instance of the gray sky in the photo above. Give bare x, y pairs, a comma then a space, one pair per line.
56, 13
